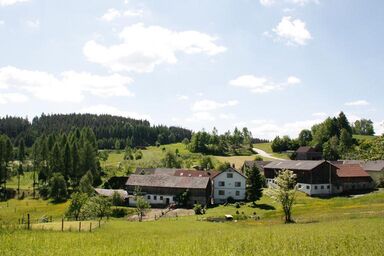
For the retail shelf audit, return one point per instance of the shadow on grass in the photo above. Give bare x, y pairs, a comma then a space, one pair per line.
263, 206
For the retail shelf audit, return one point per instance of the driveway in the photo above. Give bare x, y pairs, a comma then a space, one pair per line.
265, 154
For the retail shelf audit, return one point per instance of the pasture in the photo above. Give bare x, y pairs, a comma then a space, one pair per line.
335, 226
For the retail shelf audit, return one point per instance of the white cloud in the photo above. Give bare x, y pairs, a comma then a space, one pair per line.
379, 127
269, 129
33, 24
111, 110
143, 48
11, 2
201, 116
2, 22
111, 14
12, 98
302, 2
69, 86
262, 84
320, 114
133, 13
357, 103
182, 97
267, 2
292, 30
209, 105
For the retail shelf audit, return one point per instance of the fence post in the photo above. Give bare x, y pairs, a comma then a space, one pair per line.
79, 226
62, 224
29, 222
90, 226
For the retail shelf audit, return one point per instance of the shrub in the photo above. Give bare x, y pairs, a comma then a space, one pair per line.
198, 209
230, 200
119, 212
237, 205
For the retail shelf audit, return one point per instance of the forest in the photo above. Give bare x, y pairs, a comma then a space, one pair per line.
111, 132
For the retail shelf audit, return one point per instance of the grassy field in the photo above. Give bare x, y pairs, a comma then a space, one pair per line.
335, 226
267, 148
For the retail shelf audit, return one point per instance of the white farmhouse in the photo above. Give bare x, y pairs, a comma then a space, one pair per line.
229, 184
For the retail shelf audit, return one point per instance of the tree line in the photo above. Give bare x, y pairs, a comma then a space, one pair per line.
112, 132
333, 137
238, 142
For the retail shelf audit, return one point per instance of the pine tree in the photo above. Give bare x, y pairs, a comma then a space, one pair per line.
21, 152
75, 175
255, 184
56, 163
67, 162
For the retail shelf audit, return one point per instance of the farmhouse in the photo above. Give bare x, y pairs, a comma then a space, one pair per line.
313, 177
162, 190
322, 177
375, 169
352, 177
308, 153
229, 184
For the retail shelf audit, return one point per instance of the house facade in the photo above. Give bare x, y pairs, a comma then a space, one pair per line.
162, 190
229, 184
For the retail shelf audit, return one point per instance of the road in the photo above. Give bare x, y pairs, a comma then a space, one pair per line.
265, 154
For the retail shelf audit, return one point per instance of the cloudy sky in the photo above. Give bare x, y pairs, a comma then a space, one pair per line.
275, 66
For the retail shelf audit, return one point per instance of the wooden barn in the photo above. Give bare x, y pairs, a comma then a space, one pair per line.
162, 190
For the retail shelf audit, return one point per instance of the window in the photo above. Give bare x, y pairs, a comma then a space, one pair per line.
328, 186
221, 183
308, 187
154, 197
237, 184
161, 197
221, 192
148, 196
299, 186
229, 175
322, 187
315, 187
237, 193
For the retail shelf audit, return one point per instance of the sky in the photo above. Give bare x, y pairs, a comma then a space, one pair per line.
274, 66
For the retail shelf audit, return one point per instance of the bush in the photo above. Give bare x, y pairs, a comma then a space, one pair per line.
119, 212
237, 205
230, 200
44, 191
198, 209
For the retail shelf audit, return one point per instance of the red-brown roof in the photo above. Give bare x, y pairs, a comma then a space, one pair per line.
350, 170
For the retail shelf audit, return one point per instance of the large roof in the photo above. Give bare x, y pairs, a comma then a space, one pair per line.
156, 171
350, 170
374, 165
294, 164
305, 149
166, 181
195, 173
259, 164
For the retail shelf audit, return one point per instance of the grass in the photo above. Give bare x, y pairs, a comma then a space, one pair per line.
362, 138
334, 226
189, 237
267, 148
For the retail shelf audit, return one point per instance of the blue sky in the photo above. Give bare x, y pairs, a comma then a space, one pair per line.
275, 66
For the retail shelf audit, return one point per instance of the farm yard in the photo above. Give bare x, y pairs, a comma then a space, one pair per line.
323, 226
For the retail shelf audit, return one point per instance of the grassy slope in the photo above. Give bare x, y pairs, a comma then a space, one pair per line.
347, 226
267, 148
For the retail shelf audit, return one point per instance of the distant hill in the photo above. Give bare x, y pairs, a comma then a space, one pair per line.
111, 131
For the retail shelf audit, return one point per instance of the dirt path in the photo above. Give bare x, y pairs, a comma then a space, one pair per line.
265, 154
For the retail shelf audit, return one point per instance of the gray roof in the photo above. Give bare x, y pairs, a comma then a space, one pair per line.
258, 163
294, 165
155, 171
374, 165
110, 192
166, 181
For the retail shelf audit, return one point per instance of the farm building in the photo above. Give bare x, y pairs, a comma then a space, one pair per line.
313, 177
227, 184
259, 164
352, 177
162, 190
375, 169
155, 171
308, 153
322, 177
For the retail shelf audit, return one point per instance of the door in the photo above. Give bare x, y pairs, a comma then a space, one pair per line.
167, 201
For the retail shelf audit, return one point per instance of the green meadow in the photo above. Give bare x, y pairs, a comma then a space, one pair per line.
335, 226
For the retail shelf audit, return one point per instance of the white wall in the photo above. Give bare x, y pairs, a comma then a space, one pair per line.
310, 189
229, 187
160, 199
